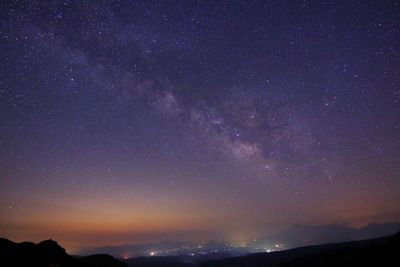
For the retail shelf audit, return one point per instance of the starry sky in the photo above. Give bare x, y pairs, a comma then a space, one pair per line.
142, 121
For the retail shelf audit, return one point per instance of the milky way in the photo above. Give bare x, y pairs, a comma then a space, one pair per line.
142, 121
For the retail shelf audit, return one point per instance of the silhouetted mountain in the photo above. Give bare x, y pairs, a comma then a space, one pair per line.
376, 252
48, 253
303, 235
292, 237
386, 254
373, 252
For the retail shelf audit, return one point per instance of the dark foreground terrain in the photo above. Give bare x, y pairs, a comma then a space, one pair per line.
48, 253
375, 252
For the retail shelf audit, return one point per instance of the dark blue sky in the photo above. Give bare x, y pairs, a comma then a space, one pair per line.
145, 121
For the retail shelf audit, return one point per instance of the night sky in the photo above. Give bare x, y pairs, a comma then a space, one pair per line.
141, 121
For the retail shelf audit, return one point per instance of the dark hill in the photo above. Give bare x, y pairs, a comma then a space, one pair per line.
306, 235
48, 253
386, 254
375, 252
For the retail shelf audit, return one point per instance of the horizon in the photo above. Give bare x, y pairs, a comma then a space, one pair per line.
142, 121
282, 240
287, 239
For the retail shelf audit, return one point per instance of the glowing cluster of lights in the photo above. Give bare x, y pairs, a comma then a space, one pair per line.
152, 253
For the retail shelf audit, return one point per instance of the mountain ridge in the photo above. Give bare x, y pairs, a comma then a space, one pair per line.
381, 251
388, 248
295, 236
48, 253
